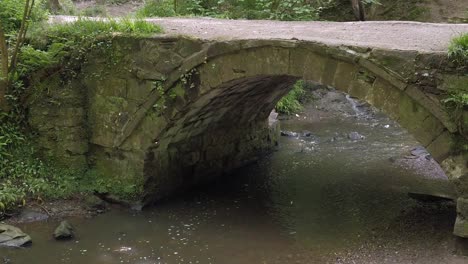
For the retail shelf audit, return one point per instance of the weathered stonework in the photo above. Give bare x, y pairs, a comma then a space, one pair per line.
177, 111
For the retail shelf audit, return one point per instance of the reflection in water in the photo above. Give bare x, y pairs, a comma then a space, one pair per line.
319, 199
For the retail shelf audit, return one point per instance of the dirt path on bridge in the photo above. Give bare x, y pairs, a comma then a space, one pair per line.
422, 37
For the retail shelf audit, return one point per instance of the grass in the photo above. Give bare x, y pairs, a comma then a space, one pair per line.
53, 42
458, 50
84, 28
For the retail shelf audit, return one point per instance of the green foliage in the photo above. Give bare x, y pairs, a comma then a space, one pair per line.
291, 103
287, 10
86, 29
157, 8
11, 14
95, 11
235, 9
9, 135
458, 50
67, 7
457, 100
51, 44
25, 177
22, 175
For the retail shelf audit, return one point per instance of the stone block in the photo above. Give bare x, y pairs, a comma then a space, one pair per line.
461, 227
344, 76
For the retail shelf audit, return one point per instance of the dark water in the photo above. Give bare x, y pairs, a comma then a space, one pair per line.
321, 199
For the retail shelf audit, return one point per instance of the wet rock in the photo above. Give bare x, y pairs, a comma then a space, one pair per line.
306, 133
289, 134
11, 236
138, 206
461, 246
64, 231
429, 198
355, 136
30, 215
93, 202
419, 151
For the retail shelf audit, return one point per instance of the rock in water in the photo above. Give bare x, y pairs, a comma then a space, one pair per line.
29, 215
356, 136
288, 134
306, 133
419, 151
64, 231
11, 236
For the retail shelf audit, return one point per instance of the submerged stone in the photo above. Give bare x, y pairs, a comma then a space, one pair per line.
356, 136
288, 134
11, 236
64, 231
419, 151
29, 215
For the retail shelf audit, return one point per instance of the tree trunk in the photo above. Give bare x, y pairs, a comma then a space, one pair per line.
3, 70
358, 9
54, 6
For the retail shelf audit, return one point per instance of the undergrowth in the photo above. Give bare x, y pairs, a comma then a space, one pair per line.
233, 9
23, 175
458, 50
292, 102
457, 99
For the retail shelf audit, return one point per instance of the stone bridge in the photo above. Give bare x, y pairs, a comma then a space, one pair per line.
173, 110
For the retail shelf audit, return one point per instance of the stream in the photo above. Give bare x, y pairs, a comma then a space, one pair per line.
320, 198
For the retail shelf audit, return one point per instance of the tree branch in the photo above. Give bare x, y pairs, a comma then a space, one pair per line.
21, 35
3, 70
4, 54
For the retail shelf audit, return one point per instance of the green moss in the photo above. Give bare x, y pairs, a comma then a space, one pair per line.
127, 188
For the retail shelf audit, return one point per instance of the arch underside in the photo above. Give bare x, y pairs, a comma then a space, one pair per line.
234, 94
225, 125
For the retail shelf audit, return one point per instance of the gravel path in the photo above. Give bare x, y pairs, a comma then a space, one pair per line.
422, 37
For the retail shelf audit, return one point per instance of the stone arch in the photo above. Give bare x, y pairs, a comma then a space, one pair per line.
159, 109
220, 122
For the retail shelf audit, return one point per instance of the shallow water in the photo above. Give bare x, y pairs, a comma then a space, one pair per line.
319, 199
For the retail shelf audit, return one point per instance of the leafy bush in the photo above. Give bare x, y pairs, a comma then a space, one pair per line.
236, 9
53, 43
291, 103
457, 100
157, 8
458, 50
94, 11
22, 175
